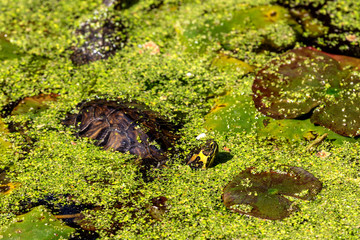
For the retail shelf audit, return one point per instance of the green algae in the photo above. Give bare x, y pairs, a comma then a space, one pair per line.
4, 145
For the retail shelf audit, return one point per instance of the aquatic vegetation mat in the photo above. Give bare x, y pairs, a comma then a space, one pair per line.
193, 65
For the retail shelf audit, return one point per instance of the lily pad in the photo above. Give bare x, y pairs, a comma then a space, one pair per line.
37, 224
198, 36
234, 112
312, 26
302, 80
262, 194
344, 61
7, 49
297, 130
34, 105
229, 64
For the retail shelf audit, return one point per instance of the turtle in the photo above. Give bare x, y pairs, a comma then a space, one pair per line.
132, 127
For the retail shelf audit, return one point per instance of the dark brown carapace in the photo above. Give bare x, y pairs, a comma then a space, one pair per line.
125, 127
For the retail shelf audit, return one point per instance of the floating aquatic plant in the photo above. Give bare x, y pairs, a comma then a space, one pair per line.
229, 64
7, 49
262, 194
37, 224
304, 81
234, 112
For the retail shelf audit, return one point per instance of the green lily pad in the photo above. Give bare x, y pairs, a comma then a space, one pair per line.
229, 64
304, 79
37, 224
297, 130
7, 49
234, 112
262, 194
197, 37
34, 105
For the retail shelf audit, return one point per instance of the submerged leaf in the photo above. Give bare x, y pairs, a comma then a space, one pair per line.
158, 208
304, 79
6, 187
33, 104
262, 194
37, 224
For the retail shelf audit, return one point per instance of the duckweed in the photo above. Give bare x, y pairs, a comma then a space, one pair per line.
55, 168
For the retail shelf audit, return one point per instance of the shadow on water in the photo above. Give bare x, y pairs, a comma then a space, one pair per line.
222, 157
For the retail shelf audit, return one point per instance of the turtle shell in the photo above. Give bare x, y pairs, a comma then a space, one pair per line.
125, 127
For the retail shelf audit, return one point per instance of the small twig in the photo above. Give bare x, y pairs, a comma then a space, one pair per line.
316, 142
68, 216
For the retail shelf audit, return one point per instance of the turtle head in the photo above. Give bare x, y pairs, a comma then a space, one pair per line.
203, 157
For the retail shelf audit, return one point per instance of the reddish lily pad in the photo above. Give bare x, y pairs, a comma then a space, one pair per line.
262, 194
344, 61
304, 79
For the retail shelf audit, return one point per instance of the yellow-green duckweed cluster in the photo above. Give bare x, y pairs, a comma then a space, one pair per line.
58, 171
